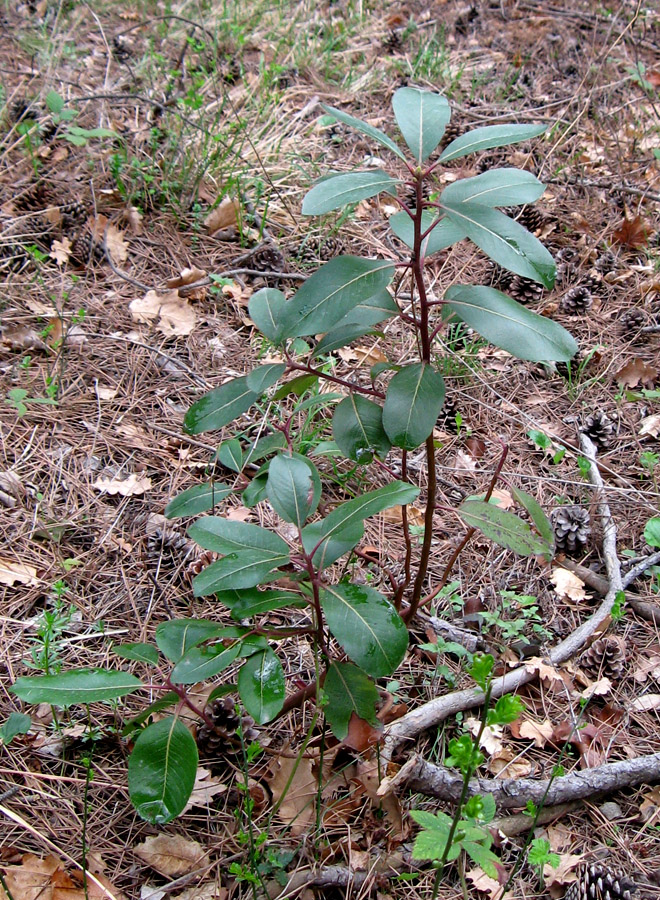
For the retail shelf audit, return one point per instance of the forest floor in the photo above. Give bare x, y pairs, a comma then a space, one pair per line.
144, 140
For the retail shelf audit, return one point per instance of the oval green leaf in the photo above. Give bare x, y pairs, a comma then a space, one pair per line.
75, 686
351, 187
293, 487
340, 337
652, 532
505, 241
349, 691
197, 499
261, 378
490, 136
333, 291
332, 547
375, 133
235, 571
357, 427
367, 626
253, 602
444, 234
201, 663
422, 117
220, 406
265, 309
176, 637
509, 325
230, 454
415, 396
162, 770
502, 527
261, 686
225, 536
498, 187
17, 723
145, 653
372, 310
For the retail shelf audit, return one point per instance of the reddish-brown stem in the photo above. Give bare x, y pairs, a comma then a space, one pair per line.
398, 596
303, 367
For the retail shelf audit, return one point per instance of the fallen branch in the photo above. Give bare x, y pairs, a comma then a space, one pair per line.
445, 784
440, 708
644, 608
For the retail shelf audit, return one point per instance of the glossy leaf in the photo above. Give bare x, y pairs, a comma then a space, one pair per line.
509, 325
357, 427
422, 117
175, 637
490, 136
265, 308
415, 396
371, 311
201, 663
220, 406
340, 337
243, 569
538, 517
497, 187
293, 488
367, 627
261, 686
333, 291
226, 536
350, 187
333, 546
374, 133
75, 686
261, 378
505, 241
198, 499
230, 454
145, 653
444, 234
162, 770
349, 691
252, 602
502, 527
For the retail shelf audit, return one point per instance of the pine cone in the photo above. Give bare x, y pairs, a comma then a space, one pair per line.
606, 263
632, 320
221, 738
315, 250
530, 217
267, 258
569, 370
198, 565
567, 261
576, 301
73, 214
447, 418
605, 658
13, 258
452, 131
600, 429
572, 529
597, 882
524, 290
85, 249
393, 41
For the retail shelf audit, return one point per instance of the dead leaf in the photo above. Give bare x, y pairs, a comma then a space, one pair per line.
136, 436
223, 216
597, 689
475, 446
491, 738
650, 425
171, 854
46, 879
564, 873
367, 356
649, 665
646, 702
546, 672
650, 805
117, 246
210, 891
539, 732
105, 393
136, 483
187, 276
205, 789
463, 462
567, 584
503, 498
361, 734
368, 773
238, 514
61, 251
134, 219
632, 233
22, 337
297, 806
637, 372
487, 885
508, 764
12, 572
176, 314
393, 514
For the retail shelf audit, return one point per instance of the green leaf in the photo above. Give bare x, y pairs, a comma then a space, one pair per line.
261, 686
220, 406
422, 117
652, 532
371, 311
444, 234
507, 709
225, 536
483, 857
265, 309
379, 136
368, 504
17, 723
340, 337
201, 663
164, 702
252, 602
497, 187
412, 405
269, 443
333, 291
367, 626
509, 325
176, 637
146, 653
255, 492
490, 136
293, 488
505, 528
349, 691
357, 427
538, 517
261, 378
243, 569
296, 386
54, 102
504, 240
332, 547
162, 770
230, 454
75, 686
197, 499
338, 190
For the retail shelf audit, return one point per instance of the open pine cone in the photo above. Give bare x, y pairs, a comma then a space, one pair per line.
597, 882
600, 428
571, 527
222, 738
605, 658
